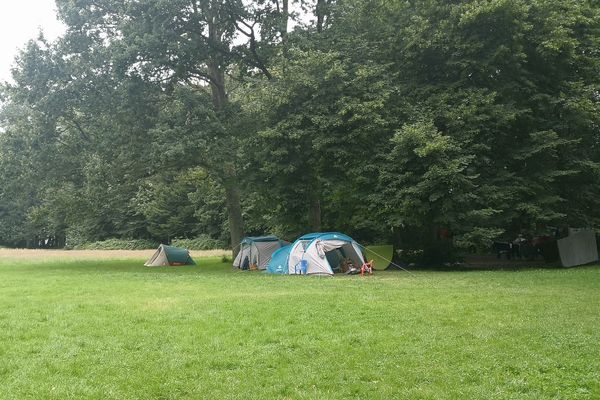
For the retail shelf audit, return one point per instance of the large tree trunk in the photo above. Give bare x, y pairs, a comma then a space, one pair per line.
216, 68
217, 85
396, 247
285, 15
234, 209
314, 211
321, 12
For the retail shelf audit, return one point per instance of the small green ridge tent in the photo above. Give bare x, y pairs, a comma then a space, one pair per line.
169, 255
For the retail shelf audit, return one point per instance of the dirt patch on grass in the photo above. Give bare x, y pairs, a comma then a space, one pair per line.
28, 254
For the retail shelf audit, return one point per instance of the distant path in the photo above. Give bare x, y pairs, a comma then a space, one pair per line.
28, 254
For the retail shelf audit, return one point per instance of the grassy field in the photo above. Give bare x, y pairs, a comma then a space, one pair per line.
109, 329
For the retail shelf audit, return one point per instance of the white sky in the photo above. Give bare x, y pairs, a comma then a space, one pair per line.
20, 21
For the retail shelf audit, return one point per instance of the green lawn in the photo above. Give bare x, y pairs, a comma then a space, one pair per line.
118, 330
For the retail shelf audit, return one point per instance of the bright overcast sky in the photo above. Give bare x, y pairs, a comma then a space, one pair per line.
20, 20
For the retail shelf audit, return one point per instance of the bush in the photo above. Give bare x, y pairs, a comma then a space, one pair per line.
202, 242
433, 254
118, 244
439, 253
77, 236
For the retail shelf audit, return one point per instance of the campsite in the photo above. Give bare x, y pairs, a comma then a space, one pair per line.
299, 199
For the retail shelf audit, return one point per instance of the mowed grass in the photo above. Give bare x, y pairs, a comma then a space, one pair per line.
117, 330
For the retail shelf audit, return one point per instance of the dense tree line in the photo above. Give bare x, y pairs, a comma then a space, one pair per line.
388, 120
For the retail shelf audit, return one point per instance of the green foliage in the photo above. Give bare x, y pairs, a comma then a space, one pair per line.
428, 173
203, 242
484, 147
317, 114
383, 119
118, 244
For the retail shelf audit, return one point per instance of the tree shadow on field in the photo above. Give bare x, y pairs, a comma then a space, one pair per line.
492, 266
475, 268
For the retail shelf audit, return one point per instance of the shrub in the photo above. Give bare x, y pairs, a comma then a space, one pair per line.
77, 236
202, 242
118, 244
433, 254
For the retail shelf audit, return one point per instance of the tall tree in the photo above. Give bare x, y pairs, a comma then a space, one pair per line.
378, 118
481, 102
178, 43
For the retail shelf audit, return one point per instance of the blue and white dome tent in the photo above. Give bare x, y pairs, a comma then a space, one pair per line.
257, 250
316, 254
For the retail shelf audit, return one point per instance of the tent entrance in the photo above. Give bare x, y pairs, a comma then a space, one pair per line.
343, 258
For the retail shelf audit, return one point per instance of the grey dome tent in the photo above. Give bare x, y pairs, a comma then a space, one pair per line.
257, 250
169, 255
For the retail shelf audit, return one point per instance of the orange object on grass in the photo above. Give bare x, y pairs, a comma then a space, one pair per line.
367, 268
